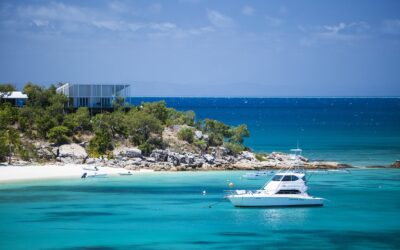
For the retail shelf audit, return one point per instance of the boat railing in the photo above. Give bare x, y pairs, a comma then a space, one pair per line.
241, 192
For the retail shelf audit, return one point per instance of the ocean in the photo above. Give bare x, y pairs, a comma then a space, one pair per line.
169, 211
357, 131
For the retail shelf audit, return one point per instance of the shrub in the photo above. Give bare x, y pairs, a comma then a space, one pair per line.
141, 125
59, 135
146, 148
200, 144
234, 148
186, 134
261, 157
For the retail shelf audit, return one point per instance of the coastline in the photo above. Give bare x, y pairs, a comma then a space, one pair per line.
51, 171
15, 173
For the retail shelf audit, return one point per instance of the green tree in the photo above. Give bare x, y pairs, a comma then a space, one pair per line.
238, 133
12, 140
141, 125
59, 135
44, 122
157, 109
186, 134
5, 89
234, 148
78, 121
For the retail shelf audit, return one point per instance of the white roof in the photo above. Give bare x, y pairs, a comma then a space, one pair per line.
15, 95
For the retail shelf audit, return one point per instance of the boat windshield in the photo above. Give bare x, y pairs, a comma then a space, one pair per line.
277, 178
285, 178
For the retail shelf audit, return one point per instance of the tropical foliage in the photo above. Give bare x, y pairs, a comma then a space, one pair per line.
47, 117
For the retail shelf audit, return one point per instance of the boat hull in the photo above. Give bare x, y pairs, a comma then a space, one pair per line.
274, 201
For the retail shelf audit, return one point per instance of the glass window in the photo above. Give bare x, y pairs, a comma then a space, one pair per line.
277, 177
287, 178
84, 90
291, 191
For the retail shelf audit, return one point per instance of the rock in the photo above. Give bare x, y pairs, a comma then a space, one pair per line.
249, 156
175, 158
209, 158
130, 152
150, 159
198, 134
219, 152
159, 155
45, 153
396, 164
72, 153
90, 161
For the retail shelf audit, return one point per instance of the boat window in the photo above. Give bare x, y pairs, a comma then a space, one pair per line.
290, 178
291, 191
277, 177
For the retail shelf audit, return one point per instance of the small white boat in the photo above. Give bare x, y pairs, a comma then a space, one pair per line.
257, 175
90, 168
125, 173
286, 188
96, 175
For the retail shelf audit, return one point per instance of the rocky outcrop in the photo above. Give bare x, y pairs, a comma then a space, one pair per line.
129, 152
396, 164
70, 153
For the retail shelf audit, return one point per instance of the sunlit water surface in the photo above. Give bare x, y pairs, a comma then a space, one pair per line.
168, 211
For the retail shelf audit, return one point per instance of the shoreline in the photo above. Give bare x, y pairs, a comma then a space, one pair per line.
32, 172
17, 173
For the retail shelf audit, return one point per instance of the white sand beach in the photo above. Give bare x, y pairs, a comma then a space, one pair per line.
38, 172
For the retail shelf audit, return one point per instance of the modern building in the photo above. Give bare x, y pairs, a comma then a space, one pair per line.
97, 96
16, 98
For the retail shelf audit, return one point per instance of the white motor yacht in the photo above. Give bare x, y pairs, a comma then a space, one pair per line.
286, 188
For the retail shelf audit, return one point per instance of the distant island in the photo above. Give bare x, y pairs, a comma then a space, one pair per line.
148, 136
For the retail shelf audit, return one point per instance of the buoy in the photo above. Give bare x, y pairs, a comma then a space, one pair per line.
231, 184
204, 192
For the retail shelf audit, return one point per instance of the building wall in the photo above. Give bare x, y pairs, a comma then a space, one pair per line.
94, 95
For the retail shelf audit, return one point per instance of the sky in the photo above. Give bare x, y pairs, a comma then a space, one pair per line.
206, 48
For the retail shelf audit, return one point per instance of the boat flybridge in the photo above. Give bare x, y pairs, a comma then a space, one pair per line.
287, 187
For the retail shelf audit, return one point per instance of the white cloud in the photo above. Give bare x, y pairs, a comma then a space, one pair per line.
54, 11
59, 18
40, 23
219, 20
273, 21
344, 31
248, 10
391, 26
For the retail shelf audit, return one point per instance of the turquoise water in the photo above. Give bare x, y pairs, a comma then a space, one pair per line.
358, 131
168, 211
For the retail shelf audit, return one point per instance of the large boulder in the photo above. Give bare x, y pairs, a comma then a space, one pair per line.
71, 153
209, 158
159, 155
129, 152
249, 156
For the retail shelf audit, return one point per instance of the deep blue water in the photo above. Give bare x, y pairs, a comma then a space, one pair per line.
360, 131
168, 211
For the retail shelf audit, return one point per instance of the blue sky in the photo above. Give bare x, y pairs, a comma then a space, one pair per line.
206, 48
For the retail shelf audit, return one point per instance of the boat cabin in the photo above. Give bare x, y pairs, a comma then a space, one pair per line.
287, 183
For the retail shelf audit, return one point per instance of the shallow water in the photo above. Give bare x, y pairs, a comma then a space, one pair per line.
168, 211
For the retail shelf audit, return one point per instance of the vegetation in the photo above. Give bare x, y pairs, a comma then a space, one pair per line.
47, 117
186, 134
